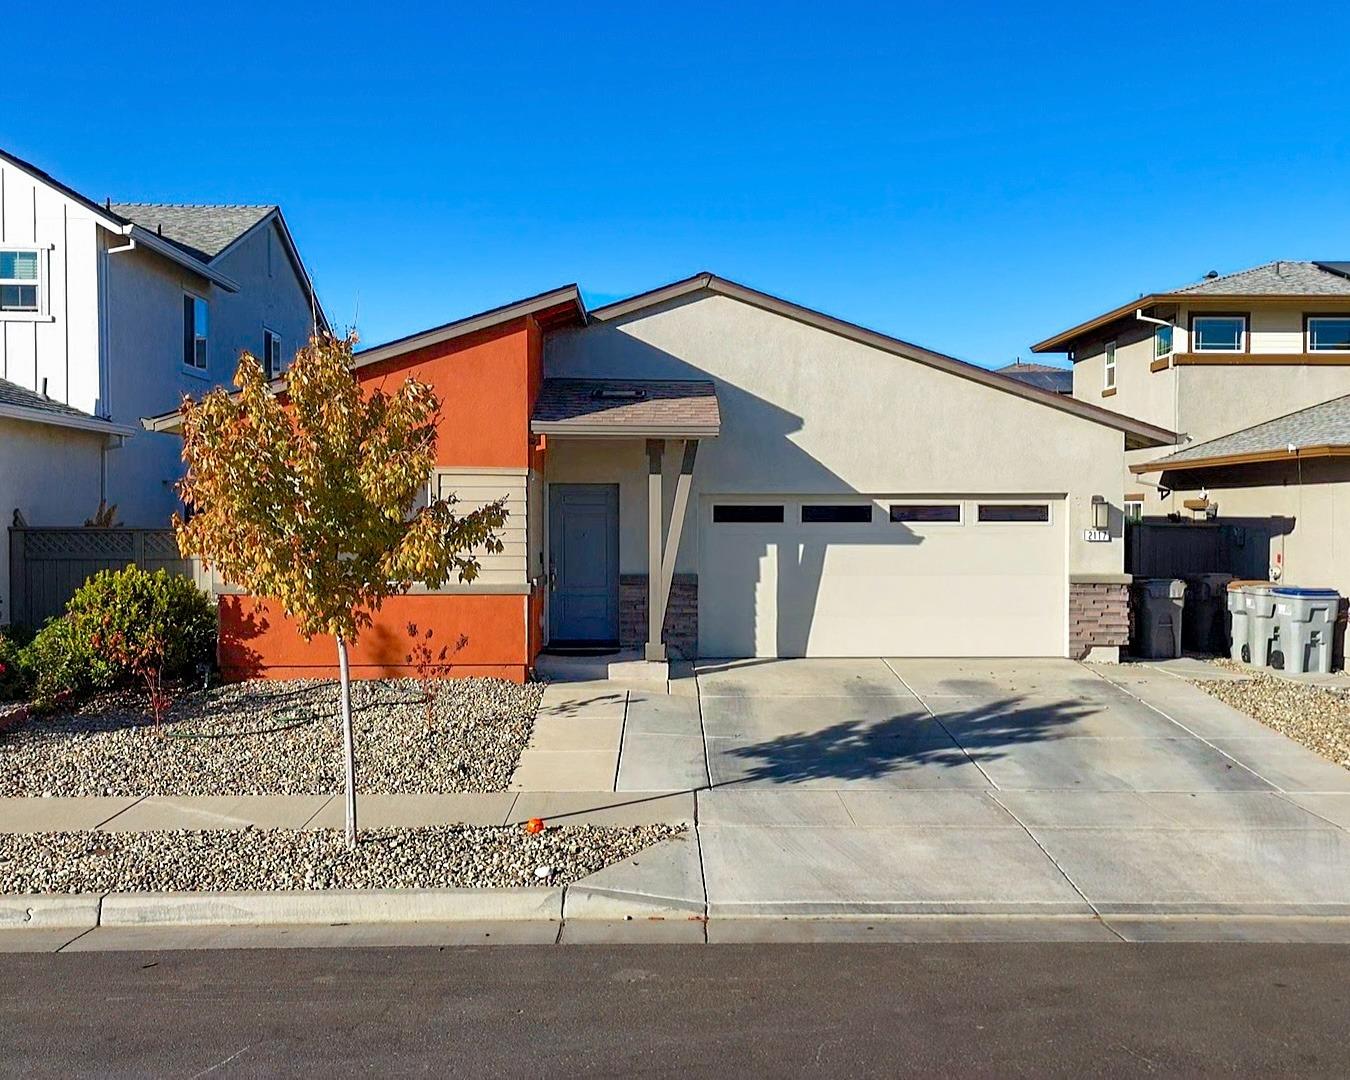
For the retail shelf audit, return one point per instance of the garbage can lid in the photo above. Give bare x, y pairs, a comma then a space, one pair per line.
1247, 583
1295, 590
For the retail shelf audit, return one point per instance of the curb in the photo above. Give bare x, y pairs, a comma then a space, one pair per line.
348, 907
40, 911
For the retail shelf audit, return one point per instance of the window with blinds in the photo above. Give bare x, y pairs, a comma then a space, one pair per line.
20, 280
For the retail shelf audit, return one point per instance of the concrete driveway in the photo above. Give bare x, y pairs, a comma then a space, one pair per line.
986, 786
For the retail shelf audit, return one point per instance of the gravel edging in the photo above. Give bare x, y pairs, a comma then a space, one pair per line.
1312, 716
277, 737
433, 857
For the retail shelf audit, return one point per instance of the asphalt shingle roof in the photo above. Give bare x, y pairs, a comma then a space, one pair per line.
1058, 380
14, 394
1283, 278
1327, 424
202, 231
639, 404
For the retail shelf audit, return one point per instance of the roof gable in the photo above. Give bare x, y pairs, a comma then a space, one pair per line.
1137, 433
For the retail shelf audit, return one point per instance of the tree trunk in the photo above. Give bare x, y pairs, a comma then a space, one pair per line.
348, 742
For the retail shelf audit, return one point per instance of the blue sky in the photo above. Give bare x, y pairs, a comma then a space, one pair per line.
969, 177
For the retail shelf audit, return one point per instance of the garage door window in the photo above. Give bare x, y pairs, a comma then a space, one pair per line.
1018, 512
927, 513
748, 514
837, 514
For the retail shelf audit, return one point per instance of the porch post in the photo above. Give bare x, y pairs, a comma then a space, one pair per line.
672, 545
655, 451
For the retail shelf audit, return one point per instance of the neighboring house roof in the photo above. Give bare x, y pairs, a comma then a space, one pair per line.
19, 403
1055, 379
627, 408
1283, 278
193, 236
202, 231
564, 306
1320, 431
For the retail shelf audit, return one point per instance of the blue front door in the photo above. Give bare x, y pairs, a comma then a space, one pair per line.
583, 554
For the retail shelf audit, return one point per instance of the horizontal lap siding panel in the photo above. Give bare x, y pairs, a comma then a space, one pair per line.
475, 488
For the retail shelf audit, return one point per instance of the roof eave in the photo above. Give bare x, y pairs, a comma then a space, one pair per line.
474, 323
1256, 457
152, 242
565, 429
292, 252
65, 420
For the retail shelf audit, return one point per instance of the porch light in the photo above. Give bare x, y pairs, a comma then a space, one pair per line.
1101, 513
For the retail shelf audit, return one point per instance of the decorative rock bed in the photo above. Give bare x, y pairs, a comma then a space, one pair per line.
450, 856
1316, 717
277, 738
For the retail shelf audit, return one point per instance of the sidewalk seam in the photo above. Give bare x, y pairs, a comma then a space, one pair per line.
114, 817
1055, 863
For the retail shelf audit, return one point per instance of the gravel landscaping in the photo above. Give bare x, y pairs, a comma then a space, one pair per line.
449, 856
1312, 715
277, 738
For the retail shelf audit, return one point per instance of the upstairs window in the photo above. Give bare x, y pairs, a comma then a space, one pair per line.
1329, 333
1109, 379
271, 356
1162, 342
1219, 333
194, 332
20, 280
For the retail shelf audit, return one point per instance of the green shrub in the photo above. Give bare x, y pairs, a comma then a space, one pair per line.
118, 623
57, 661
13, 672
121, 613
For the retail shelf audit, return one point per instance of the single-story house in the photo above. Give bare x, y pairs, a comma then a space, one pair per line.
53, 469
1295, 469
705, 469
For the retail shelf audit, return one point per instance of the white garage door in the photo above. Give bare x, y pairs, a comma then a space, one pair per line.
958, 576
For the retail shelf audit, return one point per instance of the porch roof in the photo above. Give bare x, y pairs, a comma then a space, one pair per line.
627, 409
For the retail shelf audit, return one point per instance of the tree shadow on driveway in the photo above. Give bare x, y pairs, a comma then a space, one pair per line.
873, 750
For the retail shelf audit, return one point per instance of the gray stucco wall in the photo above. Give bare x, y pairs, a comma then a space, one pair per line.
145, 341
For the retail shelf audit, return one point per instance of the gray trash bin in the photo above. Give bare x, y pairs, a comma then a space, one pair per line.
1205, 618
1306, 619
1259, 603
1158, 622
1239, 648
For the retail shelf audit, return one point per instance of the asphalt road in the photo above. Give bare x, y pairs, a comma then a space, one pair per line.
995, 1010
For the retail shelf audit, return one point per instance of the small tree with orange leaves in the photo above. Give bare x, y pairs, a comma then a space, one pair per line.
310, 501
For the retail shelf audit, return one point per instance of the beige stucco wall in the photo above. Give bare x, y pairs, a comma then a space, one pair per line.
50, 475
1203, 402
806, 411
1316, 551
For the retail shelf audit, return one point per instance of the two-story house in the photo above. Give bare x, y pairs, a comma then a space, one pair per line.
1252, 370
113, 311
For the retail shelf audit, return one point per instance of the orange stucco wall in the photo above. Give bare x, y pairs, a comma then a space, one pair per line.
485, 635
487, 384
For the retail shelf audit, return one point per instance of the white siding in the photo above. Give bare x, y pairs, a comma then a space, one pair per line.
62, 346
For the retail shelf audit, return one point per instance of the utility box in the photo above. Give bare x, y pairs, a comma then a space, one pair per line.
1205, 621
1306, 621
1160, 607
1262, 632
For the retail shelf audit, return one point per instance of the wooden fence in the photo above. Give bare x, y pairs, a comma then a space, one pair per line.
46, 566
1240, 546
